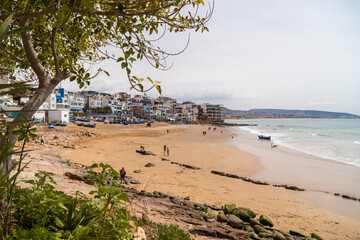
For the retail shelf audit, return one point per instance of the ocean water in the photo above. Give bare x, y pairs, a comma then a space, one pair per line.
333, 139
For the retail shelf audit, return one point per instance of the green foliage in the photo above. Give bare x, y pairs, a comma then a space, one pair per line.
106, 109
68, 34
55, 215
164, 232
101, 178
40, 212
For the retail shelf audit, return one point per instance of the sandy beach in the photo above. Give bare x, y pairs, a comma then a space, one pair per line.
288, 209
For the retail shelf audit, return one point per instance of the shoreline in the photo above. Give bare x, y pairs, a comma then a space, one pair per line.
187, 146
320, 177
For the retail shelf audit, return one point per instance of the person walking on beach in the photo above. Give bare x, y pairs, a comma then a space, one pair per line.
122, 175
42, 140
167, 151
164, 149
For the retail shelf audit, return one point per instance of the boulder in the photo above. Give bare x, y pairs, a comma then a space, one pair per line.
189, 204
254, 222
242, 214
149, 165
247, 227
254, 236
265, 234
258, 229
221, 217
228, 208
137, 171
234, 221
317, 237
175, 200
278, 236
73, 176
266, 221
295, 233
139, 234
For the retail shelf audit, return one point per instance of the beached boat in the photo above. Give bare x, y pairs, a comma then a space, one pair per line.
262, 137
51, 126
90, 125
80, 124
63, 124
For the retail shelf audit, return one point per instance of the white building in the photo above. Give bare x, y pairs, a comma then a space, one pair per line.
76, 101
59, 115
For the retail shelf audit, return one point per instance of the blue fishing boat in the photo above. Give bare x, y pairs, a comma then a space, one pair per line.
90, 125
80, 124
51, 126
63, 124
262, 137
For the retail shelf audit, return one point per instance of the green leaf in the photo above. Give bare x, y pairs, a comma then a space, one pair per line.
4, 26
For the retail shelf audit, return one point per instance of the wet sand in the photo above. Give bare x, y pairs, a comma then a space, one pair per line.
288, 209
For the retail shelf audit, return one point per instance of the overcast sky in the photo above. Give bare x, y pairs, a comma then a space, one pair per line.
290, 54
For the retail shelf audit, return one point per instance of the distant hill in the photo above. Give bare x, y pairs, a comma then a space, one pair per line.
282, 113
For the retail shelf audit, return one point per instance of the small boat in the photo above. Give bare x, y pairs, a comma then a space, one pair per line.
51, 126
80, 124
63, 124
262, 137
90, 125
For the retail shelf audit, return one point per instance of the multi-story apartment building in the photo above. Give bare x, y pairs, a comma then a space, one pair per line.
62, 99
76, 101
215, 112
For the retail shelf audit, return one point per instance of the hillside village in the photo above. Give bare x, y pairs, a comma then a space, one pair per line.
112, 107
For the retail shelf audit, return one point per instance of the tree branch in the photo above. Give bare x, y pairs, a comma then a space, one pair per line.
34, 61
53, 50
29, 14
15, 58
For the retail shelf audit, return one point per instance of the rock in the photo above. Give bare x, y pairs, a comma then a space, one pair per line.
349, 197
278, 236
254, 236
139, 234
295, 233
265, 235
254, 222
317, 237
258, 229
164, 159
149, 165
266, 221
73, 176
137, 171
134, 181
187, 198
234, 221
200, 207
175, 200
294, 188
221, 217
213, 207
189, 204
247, 227
228, 208
242, 214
